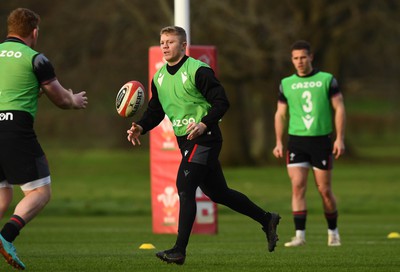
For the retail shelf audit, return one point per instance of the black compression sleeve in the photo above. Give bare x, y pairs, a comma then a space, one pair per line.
214, 92
43, 69
334, 88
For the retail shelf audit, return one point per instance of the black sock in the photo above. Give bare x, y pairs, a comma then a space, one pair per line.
12, 228
300, 218
331, 218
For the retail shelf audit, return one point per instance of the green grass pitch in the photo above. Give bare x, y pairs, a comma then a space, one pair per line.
100, 214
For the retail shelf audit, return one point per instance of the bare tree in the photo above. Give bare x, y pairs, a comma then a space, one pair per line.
102, 44
253, 38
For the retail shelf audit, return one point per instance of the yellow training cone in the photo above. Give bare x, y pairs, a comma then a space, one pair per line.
147, 246
393, 235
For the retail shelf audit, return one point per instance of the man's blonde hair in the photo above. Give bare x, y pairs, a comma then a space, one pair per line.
22, 22
176, 30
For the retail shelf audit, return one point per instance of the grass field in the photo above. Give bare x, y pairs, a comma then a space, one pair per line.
100, 214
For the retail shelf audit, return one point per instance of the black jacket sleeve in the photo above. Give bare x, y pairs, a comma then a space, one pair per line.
214, 92
154, 113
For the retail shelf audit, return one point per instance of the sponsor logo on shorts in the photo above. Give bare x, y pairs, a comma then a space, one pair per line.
6, 116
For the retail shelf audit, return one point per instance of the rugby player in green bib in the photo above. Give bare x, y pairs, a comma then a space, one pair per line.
24, 75
312, 103
187, 91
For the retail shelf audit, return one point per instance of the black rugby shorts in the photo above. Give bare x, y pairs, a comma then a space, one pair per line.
314, 150
22, 160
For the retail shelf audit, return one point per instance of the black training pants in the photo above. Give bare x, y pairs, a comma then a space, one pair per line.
200, 167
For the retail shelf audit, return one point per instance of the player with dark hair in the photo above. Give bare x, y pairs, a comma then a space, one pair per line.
187, 91
312, 99
23, 74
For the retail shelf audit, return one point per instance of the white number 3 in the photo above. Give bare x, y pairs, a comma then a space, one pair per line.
307, 107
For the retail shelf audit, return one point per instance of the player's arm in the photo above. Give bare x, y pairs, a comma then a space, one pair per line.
340, 123
280, 121
339, 119
154, 113
214, 93
133, 133
61, 97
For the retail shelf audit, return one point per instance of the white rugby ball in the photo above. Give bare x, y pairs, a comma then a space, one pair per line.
129, 98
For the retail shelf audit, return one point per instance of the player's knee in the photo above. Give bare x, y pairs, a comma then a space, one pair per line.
182, 196
185, 198
326, 193
299, 190
43, 194
219, 197
43, 197
47, 197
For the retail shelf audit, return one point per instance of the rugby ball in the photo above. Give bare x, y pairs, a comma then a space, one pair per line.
129, 98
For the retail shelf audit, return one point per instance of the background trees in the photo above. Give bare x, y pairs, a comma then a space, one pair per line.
98, 46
